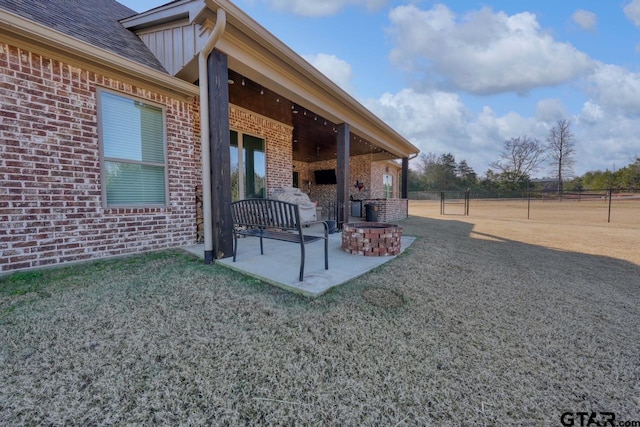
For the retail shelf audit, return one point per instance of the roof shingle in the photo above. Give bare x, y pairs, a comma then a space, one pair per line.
92, 21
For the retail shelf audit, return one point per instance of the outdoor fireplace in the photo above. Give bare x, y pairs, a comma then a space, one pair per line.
371, 238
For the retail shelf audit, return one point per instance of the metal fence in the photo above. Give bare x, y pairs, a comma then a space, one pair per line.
609, 198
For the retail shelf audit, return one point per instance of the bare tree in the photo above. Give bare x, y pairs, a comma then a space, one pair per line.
519, 158
426, 161
561, 149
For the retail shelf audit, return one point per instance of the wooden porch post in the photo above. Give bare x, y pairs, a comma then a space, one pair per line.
405, 178
219, 141
343, 139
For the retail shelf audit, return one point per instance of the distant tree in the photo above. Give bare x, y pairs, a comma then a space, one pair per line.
561, 149
626, 177
489, 181
519, 158
426, 161
467, 175
427, 170
437, 172
629, 176
447, 172
597, 180
414, 180
576, 184
441, 172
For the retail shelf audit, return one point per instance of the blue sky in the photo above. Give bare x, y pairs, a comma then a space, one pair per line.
464, 76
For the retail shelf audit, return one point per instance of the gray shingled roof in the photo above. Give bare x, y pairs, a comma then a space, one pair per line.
92, 21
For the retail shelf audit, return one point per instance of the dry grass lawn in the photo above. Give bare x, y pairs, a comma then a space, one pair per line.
481, 322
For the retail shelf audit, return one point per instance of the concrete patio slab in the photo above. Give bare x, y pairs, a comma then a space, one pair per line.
280, 263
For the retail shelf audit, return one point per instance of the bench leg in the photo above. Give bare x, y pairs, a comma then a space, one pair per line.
326, 254
235, 246
301, 261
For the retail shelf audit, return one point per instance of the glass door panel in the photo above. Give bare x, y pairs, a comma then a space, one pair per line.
248, 155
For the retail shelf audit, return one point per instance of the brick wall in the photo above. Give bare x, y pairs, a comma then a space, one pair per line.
367, 172
378, 170
359, 169
278, 140
50, 193
392, 209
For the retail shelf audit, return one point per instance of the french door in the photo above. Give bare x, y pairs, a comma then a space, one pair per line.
248, 167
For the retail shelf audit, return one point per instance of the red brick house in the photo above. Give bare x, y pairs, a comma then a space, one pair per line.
110, 121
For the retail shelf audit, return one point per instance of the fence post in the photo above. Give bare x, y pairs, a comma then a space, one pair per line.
610, 194
466, 204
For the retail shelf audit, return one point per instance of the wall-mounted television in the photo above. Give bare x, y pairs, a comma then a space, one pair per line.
325, 176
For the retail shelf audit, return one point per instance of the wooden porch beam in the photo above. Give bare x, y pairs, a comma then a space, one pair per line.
405, 178
219, 141
343, 140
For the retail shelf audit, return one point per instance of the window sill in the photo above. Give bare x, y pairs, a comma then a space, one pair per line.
136, 209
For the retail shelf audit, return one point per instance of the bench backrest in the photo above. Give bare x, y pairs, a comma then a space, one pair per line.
266, 213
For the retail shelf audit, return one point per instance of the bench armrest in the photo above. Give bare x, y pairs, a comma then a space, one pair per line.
324, 223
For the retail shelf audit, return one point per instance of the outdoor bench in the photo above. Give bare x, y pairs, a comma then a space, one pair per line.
276, 220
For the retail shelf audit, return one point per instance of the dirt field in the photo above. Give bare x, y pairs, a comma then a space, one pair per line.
568, 225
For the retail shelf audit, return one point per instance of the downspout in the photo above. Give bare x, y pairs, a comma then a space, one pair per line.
216, 33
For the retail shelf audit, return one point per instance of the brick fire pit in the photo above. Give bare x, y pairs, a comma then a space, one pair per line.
371, 238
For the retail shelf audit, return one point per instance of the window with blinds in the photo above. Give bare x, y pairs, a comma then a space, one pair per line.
132, 135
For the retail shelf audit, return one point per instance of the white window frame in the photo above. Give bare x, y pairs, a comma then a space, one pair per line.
103, 159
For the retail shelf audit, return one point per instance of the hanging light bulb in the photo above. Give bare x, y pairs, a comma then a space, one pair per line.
243, 82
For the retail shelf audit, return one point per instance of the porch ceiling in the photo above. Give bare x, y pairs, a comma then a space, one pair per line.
314, 137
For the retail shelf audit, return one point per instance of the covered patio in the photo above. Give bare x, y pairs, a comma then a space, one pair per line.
269, 119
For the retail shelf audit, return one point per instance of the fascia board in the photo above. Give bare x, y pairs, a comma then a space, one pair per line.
46, 41
167, 13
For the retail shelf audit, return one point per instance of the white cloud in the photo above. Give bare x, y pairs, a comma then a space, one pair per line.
439, 122
336, 69
615, 89
482, 52
632, 11
604, 139
322, 7
586, 20
591, 113
550, 110
438, 116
